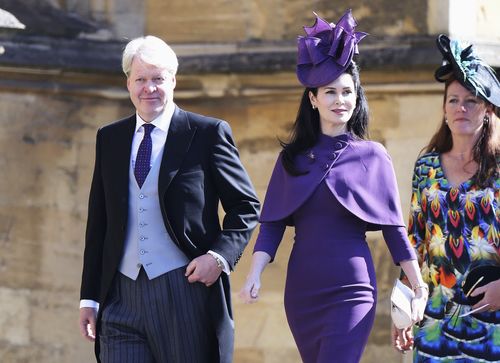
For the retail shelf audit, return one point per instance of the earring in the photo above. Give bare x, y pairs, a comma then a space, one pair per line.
486, 119
446, 120
313, 107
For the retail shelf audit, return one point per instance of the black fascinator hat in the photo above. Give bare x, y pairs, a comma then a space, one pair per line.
468, 69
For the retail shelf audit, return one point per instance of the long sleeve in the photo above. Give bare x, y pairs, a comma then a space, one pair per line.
269, 237
416, 221
237, 197
96, 227
397, 241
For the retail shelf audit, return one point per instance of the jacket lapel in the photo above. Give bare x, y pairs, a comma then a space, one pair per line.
180, 135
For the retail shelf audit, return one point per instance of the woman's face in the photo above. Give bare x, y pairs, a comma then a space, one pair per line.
464, 112
335, 102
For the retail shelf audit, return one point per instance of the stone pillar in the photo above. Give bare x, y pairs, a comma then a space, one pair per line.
465, 19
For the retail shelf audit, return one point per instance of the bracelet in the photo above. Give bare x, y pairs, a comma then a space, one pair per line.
421, 287
220, 264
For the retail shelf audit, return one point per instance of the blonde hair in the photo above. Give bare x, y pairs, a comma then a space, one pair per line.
150, 50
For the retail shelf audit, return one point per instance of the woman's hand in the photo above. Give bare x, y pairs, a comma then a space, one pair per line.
419, 302
491, 296
402, 339
249, 293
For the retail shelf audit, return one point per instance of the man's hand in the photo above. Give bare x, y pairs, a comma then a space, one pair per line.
203, 269
87, 323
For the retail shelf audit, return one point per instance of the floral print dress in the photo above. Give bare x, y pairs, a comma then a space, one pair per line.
453, 229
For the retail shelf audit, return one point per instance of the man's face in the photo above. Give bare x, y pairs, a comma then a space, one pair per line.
150, 89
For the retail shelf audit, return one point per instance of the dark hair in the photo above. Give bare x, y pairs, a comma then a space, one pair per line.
485, 152
306, 129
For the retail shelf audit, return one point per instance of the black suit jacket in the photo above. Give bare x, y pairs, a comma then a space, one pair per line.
200, 168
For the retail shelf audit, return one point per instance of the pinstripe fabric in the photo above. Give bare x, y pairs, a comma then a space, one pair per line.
164, 320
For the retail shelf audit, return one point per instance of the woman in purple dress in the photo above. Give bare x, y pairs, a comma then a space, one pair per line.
332, 185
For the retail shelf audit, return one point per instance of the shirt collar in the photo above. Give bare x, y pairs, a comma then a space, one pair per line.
162, 121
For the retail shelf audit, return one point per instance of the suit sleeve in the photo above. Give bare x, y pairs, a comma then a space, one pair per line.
236, 194
94, 237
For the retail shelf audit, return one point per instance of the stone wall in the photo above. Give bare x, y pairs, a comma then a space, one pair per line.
53, 103
215, 21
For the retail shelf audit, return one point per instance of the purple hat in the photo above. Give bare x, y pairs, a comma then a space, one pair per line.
327, 50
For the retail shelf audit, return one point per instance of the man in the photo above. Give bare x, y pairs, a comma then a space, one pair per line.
152, 288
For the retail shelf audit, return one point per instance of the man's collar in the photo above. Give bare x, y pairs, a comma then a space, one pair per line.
162, 121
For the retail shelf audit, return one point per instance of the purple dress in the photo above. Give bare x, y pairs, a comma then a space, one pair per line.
330, 292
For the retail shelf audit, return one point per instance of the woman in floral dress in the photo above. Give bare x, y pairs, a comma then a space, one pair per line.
455, 216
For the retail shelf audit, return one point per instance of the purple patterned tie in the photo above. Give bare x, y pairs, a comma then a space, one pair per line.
143, 159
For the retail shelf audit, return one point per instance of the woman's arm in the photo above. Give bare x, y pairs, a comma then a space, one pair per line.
403, 253
267, 243
412, 271
402, 339
250, 291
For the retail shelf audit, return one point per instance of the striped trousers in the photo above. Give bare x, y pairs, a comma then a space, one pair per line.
163, 320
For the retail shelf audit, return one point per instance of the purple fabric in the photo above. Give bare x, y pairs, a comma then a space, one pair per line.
396, 238
327, 50
327, 267
330, 291
143, 159
359, 174
269, 238
398, 243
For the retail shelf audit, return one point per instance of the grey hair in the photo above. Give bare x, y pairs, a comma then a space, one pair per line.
151, 50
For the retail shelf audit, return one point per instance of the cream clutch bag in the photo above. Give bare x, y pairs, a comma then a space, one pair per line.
401, 298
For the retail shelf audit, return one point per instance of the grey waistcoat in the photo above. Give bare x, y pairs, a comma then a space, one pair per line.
147, 242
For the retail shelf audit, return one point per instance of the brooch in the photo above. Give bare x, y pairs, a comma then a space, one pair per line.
311, 156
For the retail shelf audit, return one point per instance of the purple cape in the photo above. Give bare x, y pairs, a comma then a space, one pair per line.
359, 173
